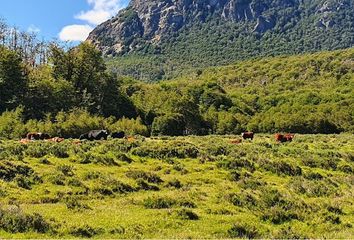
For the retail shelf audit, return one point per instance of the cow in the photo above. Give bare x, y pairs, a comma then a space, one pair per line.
37, 136
247, 135
284, 137
120, 134
56, 140
95, 135
236, 141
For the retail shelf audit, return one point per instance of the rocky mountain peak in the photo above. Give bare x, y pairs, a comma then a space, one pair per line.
161, 22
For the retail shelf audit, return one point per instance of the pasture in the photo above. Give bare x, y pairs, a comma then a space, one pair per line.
179, 187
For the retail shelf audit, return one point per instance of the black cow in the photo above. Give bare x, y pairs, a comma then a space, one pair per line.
120, 134
37, 136
95, 135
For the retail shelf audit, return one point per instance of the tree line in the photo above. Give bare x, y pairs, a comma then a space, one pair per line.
70, 91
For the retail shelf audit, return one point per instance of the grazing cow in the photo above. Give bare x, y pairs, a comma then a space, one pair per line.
56, 140
120, 134
236, 141
95, 135
247, 135
37, 136
284, 137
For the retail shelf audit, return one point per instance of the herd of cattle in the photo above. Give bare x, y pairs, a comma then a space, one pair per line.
278, 137
103, 135
91, 136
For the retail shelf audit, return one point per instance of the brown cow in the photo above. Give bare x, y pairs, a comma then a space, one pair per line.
56, 140
236, 141
247, 135
284, 137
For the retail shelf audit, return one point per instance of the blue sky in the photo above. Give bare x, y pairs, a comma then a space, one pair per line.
68, 20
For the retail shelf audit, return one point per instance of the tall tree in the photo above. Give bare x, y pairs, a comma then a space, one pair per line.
12, 79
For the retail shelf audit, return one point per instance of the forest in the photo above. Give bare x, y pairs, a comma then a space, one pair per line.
48, 87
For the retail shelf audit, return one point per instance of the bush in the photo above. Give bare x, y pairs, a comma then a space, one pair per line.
277, 215
243, 231
124, 158
111, 186
158, 203
85, 231
37, 150
186, 214
15, 221
175, 183
282, 168
129, 126
150, 177
236, 163
59, 150
74, 204
9, 171
103, 159
11, 124
142, 185
67, 170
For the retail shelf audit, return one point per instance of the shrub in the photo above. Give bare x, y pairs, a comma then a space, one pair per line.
103, 159
15, 221
175, 183
186, 214
282, 168
150, 177
130, 126
158, 203
124, 158
142, 185
236, 163
74, 204
346, 168
37, 150
11, 124
277, 215
92, 175
57, 179
44, 161
243, 231
67, 170
85, 231
9, 171
59, 150
111, 186
23, 182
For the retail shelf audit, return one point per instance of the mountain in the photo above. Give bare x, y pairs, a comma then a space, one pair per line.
198, 33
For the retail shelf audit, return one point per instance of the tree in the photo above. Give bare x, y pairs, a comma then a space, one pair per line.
170, 124
12, 80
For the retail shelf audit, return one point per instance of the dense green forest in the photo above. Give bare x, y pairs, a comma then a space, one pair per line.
312, 93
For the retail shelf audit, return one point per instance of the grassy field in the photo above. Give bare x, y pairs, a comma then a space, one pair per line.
186, 187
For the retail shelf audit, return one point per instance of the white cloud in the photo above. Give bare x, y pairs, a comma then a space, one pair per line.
33, 29
102, 10
75, 32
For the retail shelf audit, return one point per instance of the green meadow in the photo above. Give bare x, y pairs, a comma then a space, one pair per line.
179, 187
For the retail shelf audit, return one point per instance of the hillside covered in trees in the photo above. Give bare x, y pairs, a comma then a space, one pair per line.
157, 39
69, 91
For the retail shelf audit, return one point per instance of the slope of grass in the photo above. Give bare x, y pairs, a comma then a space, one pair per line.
186, 187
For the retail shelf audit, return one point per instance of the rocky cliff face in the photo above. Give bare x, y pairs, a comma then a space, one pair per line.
242, 26
154, 19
